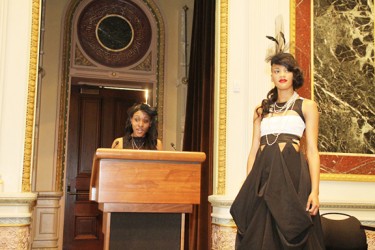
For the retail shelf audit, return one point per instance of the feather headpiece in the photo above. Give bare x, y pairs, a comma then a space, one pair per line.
280, 45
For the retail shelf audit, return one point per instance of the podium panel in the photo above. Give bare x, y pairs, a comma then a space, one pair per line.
140, 231
144, 195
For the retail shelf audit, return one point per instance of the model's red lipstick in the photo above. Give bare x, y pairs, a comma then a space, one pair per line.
282, 80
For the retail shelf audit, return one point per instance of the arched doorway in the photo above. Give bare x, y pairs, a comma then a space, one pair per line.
112, 55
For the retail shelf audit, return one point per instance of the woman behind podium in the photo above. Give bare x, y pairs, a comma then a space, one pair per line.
140, 130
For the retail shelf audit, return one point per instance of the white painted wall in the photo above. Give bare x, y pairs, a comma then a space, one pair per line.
15, 29
355, 198
248, 76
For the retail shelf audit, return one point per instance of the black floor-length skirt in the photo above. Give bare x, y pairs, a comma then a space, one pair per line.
270, 208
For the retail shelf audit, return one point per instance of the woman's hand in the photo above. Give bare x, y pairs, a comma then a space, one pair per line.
312, 205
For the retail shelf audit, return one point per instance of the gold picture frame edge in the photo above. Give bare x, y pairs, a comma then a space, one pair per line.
347, 154
347, 177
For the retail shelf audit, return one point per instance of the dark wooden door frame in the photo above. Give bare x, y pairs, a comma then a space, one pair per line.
96, 117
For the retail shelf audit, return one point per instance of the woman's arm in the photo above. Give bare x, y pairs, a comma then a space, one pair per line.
311, 114
159, 145
256, 139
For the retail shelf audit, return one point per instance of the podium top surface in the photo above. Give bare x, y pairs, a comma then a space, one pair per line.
131, 154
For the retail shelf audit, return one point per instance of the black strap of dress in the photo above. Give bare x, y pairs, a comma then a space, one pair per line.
280, 138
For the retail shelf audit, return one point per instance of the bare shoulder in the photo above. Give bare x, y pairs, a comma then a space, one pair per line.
117, 143
309, 107
258, 109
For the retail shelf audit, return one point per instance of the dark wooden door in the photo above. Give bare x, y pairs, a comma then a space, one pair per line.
96, 117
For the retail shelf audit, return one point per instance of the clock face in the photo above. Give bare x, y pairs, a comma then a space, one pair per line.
114, 33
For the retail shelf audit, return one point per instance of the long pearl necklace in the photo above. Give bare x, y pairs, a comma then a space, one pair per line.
278, 109
287, 106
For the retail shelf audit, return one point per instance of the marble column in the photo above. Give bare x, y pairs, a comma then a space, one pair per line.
15, 220
223, 228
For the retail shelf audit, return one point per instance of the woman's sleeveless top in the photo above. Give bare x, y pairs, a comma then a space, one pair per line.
137, 143
285, 124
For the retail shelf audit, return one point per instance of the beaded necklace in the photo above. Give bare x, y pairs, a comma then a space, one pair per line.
135, 145
277, 109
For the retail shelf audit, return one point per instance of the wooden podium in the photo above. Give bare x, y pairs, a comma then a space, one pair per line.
144, 181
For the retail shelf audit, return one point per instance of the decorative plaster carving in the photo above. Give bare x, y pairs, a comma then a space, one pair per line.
14, 237
220, 201
370, 235
145, 65
139, 29
15, 219
223, 238
222, 224
17, 199
33, 73
348, 205
80, 59
222, 96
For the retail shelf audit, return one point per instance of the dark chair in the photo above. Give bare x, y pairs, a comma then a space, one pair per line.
344, 232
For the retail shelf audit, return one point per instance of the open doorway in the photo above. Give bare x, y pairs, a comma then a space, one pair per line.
97, 115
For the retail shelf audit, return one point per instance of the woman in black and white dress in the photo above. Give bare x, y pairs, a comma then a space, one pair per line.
278, 204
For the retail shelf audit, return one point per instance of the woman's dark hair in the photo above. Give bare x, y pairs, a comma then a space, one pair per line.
152, 134
289, 62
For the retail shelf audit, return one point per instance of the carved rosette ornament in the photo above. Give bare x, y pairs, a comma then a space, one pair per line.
114, 33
